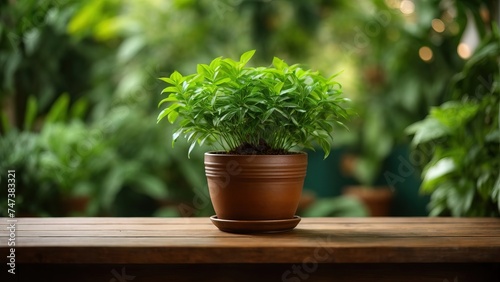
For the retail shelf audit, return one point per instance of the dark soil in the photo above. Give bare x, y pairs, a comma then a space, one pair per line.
260, 149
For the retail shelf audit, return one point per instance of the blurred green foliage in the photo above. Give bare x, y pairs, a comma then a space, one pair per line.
79, 88
342, 206
462, 173
398, 84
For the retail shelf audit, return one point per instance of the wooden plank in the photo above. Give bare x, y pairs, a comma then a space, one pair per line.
208, 250
203, 255
112, 220
306, 224
385, 230
196, 240
297, 234
246, 241
204, 220
334, 226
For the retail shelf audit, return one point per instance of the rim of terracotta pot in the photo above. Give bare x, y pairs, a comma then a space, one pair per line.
224, 153
263, 166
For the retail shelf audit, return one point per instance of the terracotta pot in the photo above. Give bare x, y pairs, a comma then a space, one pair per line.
255, 187
376, 199
75, 205
348, 164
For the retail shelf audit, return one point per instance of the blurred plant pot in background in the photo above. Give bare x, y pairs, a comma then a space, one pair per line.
377, 199
75, 205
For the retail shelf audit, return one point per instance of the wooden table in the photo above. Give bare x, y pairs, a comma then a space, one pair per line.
192, 249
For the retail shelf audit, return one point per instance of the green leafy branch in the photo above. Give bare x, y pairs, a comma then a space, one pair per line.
228, 104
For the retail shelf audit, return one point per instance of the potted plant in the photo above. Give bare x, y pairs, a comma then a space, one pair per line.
256, 117
376, 198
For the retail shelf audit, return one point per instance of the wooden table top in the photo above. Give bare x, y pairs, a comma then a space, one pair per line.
197, 240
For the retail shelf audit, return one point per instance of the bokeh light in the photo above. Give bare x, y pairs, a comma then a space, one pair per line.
425, 53
438, 25
407, 7
464, 51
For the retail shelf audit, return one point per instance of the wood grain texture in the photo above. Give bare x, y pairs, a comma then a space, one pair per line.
196, 240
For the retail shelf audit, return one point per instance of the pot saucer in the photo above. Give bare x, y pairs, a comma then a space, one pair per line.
255, 226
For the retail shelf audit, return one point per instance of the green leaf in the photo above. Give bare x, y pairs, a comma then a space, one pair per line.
59, 109
493, 136
205, 70
454, 114
278, 86
176, 77
151, 186
427, 130
482, 186
191, 147
129, 48
168, 80
5, 122
79, 109
203, 140
433, 174
170, 89
112, 185
170, 98
279, 63
215, 64
332, 77
172, 116
222, 81
31, 111
495, 194
291, 89
176, 135
325, 146
167, 111
342, 124
245, 57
